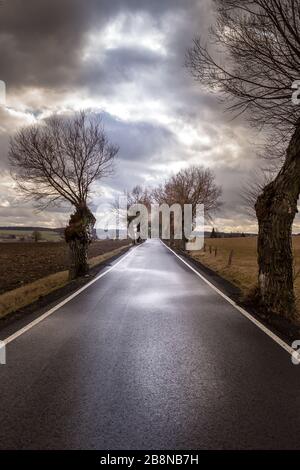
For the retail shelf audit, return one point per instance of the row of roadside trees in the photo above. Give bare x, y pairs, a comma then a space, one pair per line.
252, 61
192, 186
61, 158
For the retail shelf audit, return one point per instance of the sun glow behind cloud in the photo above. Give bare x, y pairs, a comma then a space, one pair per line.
126, 31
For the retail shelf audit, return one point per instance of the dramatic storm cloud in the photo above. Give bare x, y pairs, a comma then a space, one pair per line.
125, 60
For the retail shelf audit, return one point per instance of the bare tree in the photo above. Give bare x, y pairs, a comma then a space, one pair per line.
252, 60
138, 195
37, 236
194, 185
59, 160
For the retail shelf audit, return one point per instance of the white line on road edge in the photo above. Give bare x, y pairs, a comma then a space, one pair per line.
262, 327
61, 304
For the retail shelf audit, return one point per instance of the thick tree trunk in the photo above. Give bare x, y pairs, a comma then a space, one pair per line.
79, 259
78, 235
183, 240
276, 208
172, 228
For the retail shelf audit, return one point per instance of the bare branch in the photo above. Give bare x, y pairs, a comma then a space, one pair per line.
61, 158
252, 59
194, 185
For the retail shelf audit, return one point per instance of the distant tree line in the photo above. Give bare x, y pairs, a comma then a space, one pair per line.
194, 185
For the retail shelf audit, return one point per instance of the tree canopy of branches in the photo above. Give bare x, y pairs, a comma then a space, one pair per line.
58, 160
138, 195
251, 60
194, 185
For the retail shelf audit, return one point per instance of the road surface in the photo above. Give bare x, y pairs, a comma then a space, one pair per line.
148, 357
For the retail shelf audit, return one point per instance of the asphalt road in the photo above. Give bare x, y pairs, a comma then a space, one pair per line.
148, 357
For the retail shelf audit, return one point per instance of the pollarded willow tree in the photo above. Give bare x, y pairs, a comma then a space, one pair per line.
57, 161
252, 59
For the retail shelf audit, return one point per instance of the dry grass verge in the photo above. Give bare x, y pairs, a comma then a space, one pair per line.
243, 269
16, 299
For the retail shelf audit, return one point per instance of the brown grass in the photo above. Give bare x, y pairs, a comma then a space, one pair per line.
18, 298
243, 270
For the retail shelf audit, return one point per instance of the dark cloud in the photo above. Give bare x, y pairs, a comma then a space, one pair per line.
138, 141
41, 40
125, 57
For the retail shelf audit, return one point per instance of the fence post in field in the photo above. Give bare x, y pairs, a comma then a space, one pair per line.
204, 247
230, 258
216, 251
210, 249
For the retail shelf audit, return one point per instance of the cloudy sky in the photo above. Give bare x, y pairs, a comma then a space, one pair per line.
125, 59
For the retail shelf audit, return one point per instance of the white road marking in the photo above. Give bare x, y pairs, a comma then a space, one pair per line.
262, 327
38, 320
